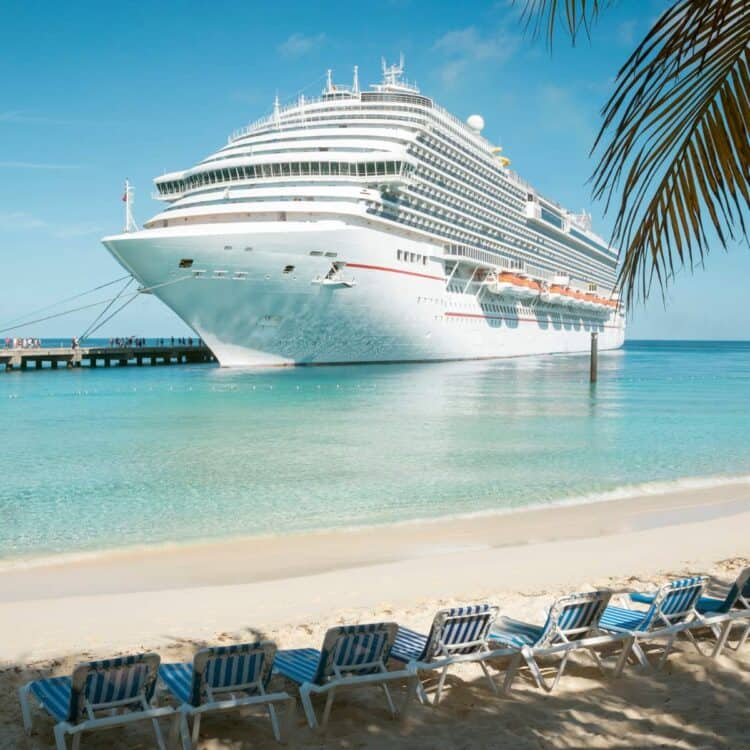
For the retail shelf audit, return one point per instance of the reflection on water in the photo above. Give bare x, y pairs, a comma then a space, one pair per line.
107, 458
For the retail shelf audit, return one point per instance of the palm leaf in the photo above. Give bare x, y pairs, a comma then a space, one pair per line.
576, 15
677, 154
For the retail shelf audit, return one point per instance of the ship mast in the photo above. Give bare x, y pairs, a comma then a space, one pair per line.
129, 200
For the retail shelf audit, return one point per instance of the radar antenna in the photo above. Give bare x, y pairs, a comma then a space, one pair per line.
392, 73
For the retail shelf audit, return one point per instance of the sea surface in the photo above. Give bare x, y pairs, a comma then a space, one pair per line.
102, 459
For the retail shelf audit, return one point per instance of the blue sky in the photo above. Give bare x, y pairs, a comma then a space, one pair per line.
92, 92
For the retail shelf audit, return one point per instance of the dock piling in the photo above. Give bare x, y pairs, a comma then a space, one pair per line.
96, 356
594, 364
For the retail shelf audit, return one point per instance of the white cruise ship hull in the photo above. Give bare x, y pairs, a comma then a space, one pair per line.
253, 294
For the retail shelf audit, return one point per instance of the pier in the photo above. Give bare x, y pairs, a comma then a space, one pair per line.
103, 356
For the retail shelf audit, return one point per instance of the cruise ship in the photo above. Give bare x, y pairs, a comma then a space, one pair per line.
371, 226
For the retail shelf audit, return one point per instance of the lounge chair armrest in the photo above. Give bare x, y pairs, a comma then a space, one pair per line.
361, 679
642, 598
233, 703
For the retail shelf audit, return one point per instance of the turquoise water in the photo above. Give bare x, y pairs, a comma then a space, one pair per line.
108, 458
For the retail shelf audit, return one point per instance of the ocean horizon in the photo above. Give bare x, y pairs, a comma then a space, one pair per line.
164, 455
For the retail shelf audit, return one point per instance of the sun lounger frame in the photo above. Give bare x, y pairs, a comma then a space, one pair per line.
83, 712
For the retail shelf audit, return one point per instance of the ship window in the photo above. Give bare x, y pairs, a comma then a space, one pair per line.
316, 252
288, 269
381, 167
324, 168
334, 167
361, 171
398, 254
276, 170
424, 260
285, 170
331, 255
186, 263
305, 168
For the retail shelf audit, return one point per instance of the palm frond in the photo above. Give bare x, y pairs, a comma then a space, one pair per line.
678, 153
576, 15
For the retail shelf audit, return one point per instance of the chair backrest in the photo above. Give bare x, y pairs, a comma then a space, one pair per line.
460, 630
674, 603
355, 649
574, 616
122, 682
739, 594
242, 667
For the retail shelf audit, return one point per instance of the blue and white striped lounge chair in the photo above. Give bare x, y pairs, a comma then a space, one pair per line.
572, 625
672, 612
721, 615
457, 635
352, 655
100, 695
224, 678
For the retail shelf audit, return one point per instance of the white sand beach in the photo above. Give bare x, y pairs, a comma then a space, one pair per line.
292, 588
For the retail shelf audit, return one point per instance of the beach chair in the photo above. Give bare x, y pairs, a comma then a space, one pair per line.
457, 635
571, 625
100, 695
351, 656
671, 613
224, 678
721, 615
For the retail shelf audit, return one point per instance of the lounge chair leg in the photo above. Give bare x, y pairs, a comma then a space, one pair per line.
721, 641
412, 689
388, 698
23, 695
76, 741
743, 638
441, 683
561, 669
667, 648
328, 706
274, 721
60, 742
640, 654
487, 674
196, 728
304, 694
597, 660
510, 673
694, 641
187, 743
158, 734
528, 655
419, 687
627, 647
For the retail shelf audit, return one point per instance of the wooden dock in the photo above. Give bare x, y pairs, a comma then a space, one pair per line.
103, 356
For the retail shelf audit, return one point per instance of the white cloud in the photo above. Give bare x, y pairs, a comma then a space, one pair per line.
463, 47
298, 44
35, 165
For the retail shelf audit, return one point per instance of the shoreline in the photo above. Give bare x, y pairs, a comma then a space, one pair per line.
631, 492
164, 596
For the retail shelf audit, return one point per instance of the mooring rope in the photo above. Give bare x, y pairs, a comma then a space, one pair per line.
108, 301
104, 311
67, 299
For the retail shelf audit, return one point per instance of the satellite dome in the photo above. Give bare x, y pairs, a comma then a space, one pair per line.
476, 123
